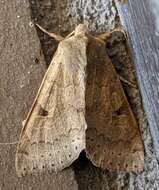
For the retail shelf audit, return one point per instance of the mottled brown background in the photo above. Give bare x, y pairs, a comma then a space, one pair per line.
24, 56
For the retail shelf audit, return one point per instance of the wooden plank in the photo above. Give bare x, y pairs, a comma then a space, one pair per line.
137, 16
22, 67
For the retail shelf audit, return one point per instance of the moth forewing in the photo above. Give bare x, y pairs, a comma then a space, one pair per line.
54, 132
113, 139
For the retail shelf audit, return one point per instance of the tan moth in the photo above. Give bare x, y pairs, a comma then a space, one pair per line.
80, 88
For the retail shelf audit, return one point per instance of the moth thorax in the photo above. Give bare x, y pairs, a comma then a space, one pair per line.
81, 29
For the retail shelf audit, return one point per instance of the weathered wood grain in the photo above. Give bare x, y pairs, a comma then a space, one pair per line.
138, 19
21, 72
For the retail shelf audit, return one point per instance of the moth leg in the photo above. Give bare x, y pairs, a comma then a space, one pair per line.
53, 35
107, 35
127, 82
23, 122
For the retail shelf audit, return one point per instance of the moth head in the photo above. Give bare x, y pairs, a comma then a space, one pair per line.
81, 29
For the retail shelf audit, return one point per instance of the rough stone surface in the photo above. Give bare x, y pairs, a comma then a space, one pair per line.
99, 15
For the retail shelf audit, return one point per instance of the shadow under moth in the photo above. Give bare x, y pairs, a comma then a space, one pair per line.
80, 105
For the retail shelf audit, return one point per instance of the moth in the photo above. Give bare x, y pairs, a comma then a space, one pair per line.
80, 105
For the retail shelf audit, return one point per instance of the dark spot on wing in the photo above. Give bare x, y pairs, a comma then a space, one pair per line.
42, 111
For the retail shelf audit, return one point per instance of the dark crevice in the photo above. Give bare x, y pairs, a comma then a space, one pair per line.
44, 14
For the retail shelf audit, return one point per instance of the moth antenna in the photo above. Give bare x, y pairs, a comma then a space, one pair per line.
104, 36
70, 34
107, 35
53, 35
